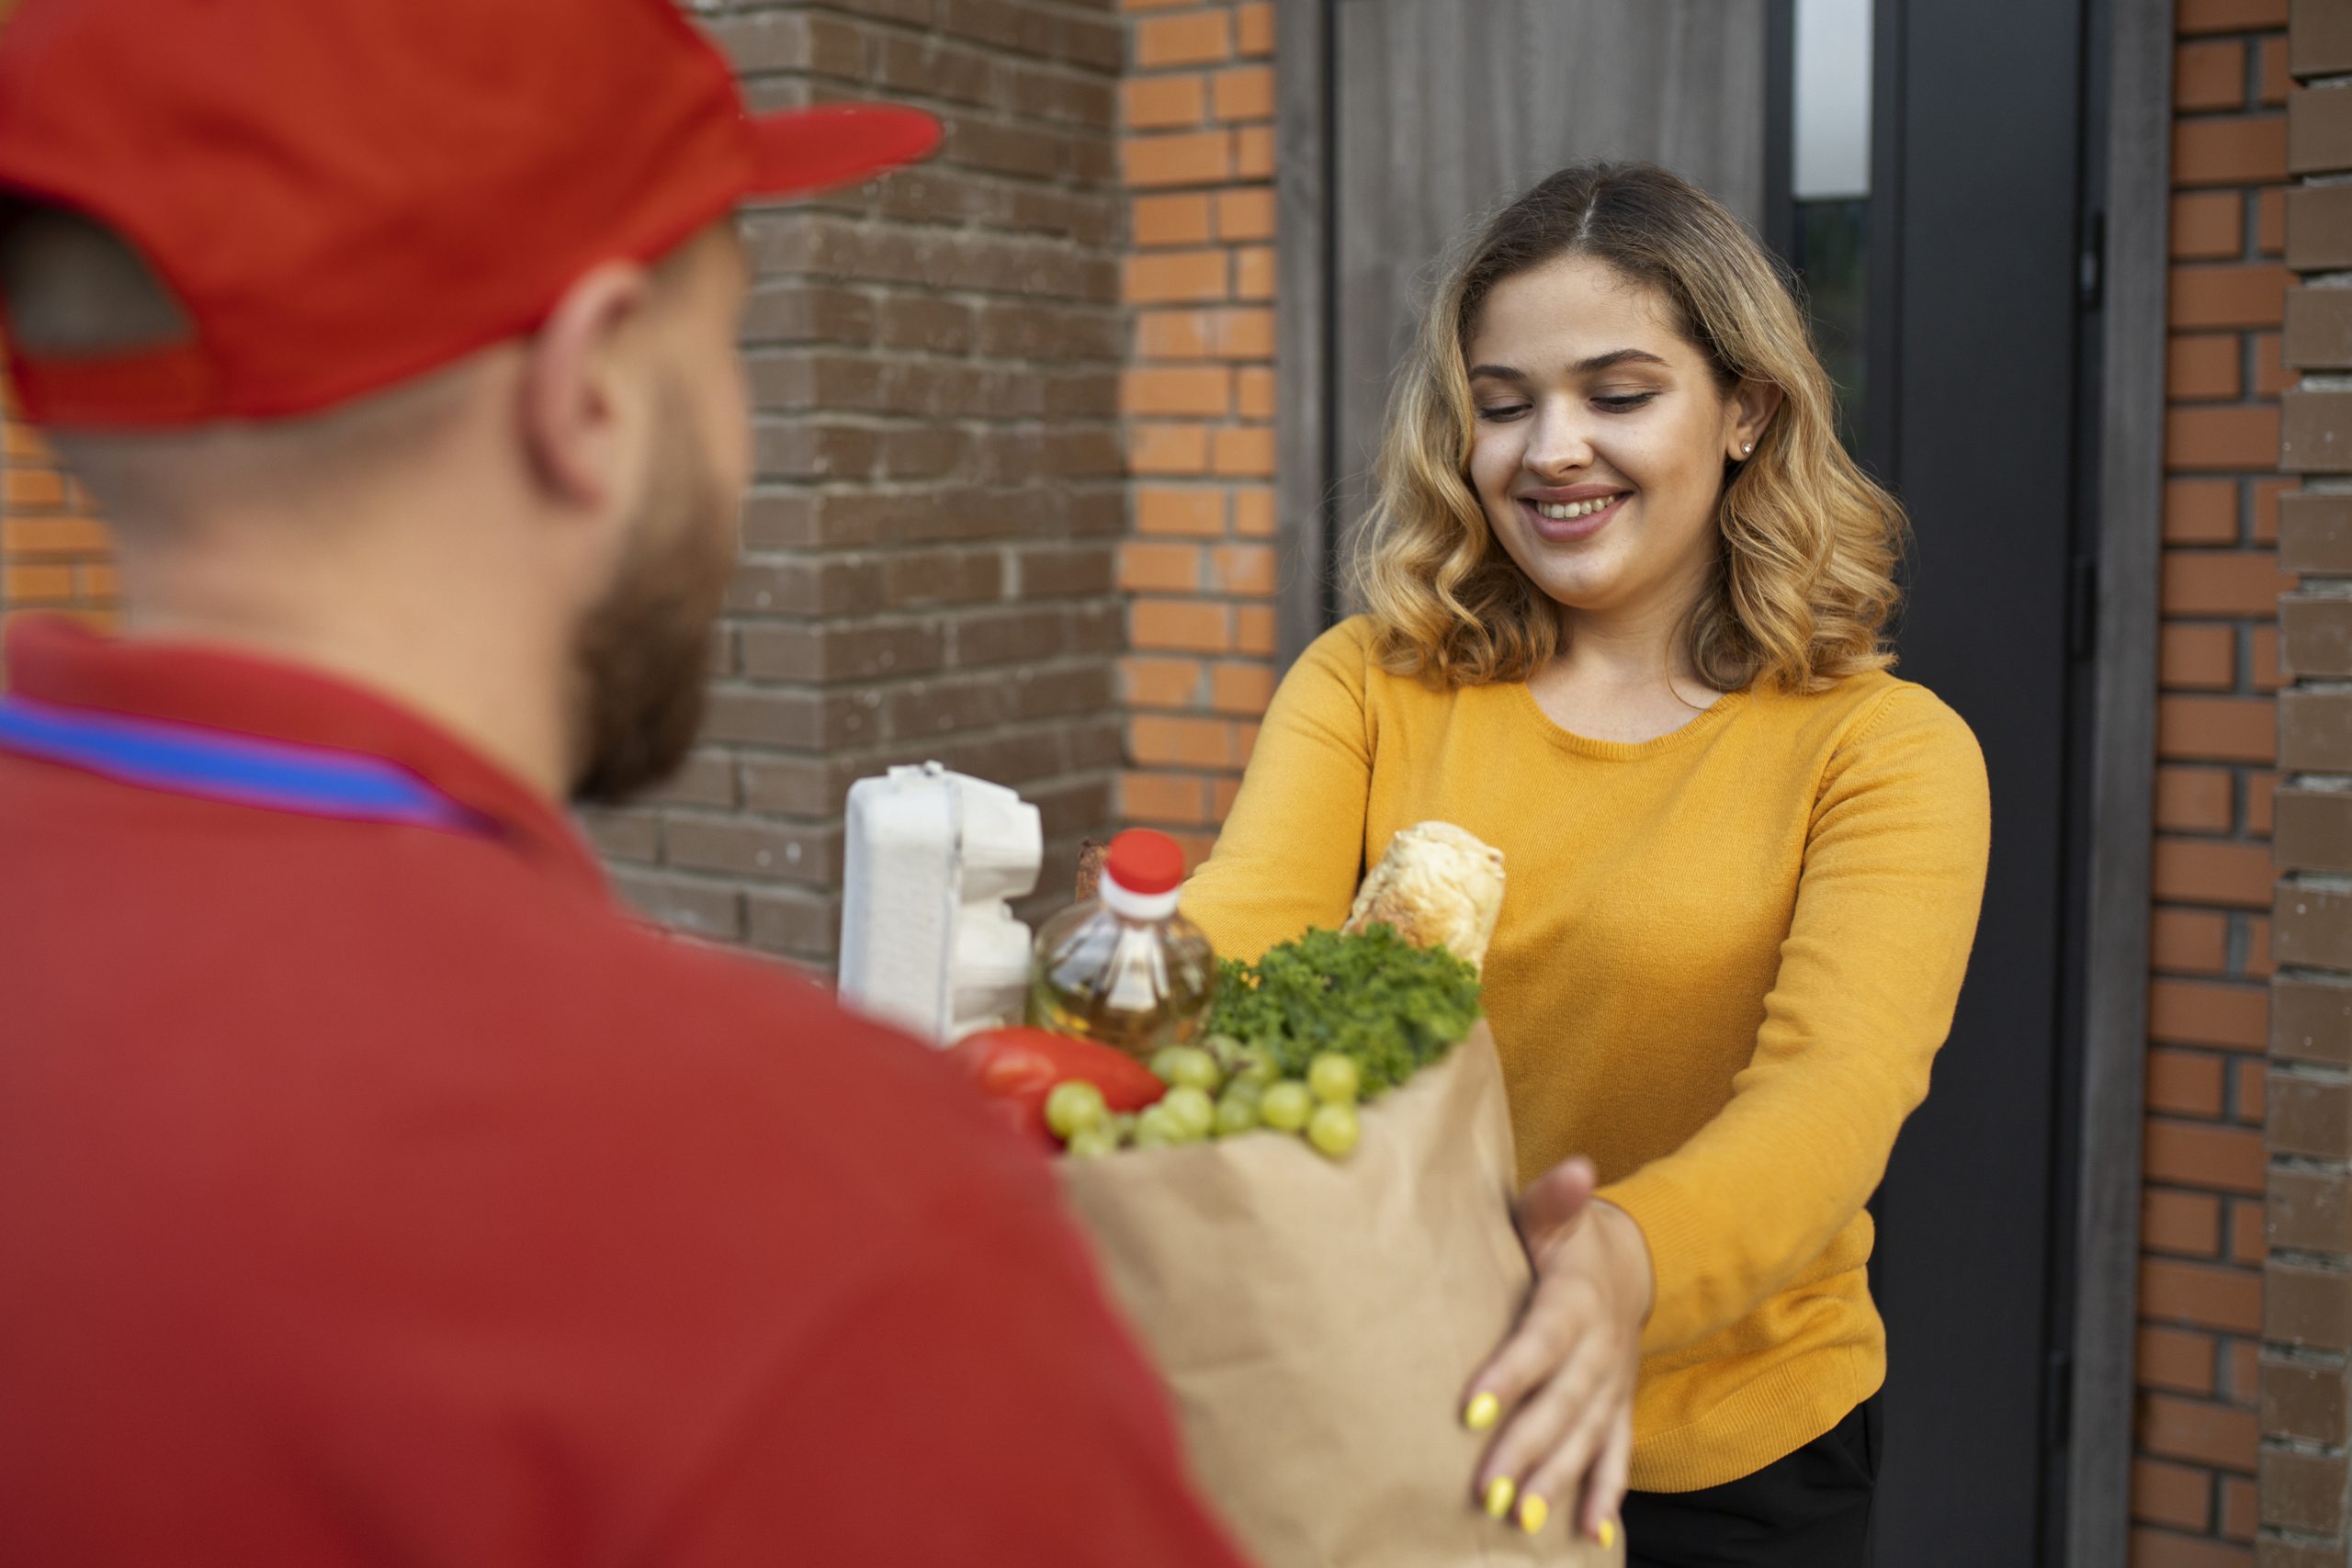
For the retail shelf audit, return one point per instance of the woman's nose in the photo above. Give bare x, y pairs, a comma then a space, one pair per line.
1559, 443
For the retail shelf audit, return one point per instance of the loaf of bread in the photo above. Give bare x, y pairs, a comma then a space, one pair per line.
1439, 886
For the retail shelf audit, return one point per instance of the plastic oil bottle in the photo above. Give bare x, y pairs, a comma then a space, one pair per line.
1124, 968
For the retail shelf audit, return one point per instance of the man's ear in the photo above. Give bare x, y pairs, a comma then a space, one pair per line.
571, 384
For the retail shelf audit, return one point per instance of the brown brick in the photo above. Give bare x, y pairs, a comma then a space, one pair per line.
2319, 227
2313, 831
2200, 511
2189, 1154
2316, 432
2240, 151
2319, 328
2203, 364
2270, 221
2310, 1117
2311, 1019
2184, 1083
2209, 76
2319, 39
2315, 532
2248, 1246
2216, 730
2191, 871
2226, 437
704, 908
2184, 1224
2306, 1306
2275, 80
2248, 1075
2305, 1401
2208, 225
2310, 1211
2201, 1433
2189, 942
2171, 1494
2223, 582
2194, 800
2195, 1012
2315, 731
2181, 1361
2192, 17
793, 922
2319, 130
764, 851
2304, 1492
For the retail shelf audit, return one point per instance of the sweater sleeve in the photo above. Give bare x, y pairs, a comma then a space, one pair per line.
1292, 851
1886, 910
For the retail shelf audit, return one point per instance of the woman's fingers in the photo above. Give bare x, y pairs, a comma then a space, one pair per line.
1578, 1418
1604, 1487
1558, 1311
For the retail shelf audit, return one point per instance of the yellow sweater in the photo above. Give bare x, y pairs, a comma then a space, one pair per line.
1725, 959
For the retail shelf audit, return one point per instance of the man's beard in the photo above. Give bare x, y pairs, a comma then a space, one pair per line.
642, 655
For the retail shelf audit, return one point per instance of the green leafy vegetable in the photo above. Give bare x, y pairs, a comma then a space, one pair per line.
1389, 1006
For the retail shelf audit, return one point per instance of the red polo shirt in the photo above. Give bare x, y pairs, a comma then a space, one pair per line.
378, 1194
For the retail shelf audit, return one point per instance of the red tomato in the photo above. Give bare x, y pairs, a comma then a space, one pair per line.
1018, 1068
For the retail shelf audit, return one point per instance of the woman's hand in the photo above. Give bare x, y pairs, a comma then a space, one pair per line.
1564, 1377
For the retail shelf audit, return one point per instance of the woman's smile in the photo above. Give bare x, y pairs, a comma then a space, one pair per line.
1565, 517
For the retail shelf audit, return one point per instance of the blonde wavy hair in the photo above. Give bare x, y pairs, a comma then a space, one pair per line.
1808, 543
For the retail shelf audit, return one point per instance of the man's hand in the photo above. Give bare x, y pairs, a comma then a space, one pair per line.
1564, 1377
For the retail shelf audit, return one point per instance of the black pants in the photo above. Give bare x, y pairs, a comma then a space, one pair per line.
1809, 1510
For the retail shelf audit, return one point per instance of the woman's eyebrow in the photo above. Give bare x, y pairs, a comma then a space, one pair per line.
1599, 362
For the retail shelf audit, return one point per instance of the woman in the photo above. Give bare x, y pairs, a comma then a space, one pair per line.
1626, 598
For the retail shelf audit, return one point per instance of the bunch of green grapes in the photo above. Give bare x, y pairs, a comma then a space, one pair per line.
1218, 1090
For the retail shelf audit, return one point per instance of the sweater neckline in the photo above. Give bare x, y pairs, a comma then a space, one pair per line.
1707, 719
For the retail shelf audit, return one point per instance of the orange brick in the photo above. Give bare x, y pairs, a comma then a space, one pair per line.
2191, 17
1254, 29
2219, 729
2200, 511
1243, 335
1244, 569
1253, 631
1254, 511
2174, 1495
2252, 294
1172, 334
2248, 1244
2237, 151
1153, 4
1253, 271
1197, 848
2185, 1083
1246, 453
1170, 276
94, 582
1253, 152
1160, 682
2270, 222
1167, 448
2276, 80
1245, 735
1202, 38
1208, 390
2258, 963
2204, 1434
1179, 626
22, 444
1161, 508
2209, 76
2190, 941
2204, 365
32, 486
1254, 393
2180, 1359
1171, 221
2223, 582
1164, 797
2264, 654
2259, 788
36, 584
2193, 1013
2250, 1076
2194, 657
2193, 800
2265, 510
1246, 92
1223, 792
2200, 871
1158, 103
2271, 376
53, 536
2241, 1507
1184, 158
2208, 225
1246, 214
2199, 1153
2202, 437
2242, 1371
1158, 740
2186, 1224
1241, 688
1160, 568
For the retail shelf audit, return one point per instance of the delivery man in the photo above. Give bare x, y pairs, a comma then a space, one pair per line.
370, 1189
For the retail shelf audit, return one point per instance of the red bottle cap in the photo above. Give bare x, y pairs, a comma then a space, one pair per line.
1145, 862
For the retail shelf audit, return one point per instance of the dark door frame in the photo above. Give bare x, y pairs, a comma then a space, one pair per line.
2126, 251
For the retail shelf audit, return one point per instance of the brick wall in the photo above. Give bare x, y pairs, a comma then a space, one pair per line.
1198, 150
2306, 1511
931, 541
52, 552
2193, 1492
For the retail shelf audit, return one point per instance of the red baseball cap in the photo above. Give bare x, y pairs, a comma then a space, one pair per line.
345, 194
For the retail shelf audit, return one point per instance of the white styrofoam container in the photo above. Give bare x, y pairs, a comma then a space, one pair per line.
927, 942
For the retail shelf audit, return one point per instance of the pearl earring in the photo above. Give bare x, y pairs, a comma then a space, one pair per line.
1745, 449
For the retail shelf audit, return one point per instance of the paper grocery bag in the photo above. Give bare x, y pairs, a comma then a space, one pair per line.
1317, 1321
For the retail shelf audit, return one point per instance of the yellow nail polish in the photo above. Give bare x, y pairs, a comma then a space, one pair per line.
1481, 1412
1608, 1534
1499, 1493
1532, 1512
